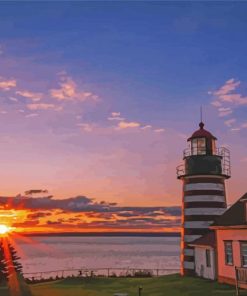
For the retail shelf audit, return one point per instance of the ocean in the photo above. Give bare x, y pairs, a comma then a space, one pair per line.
49, 254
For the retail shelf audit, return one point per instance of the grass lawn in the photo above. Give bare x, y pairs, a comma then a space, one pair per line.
171, 285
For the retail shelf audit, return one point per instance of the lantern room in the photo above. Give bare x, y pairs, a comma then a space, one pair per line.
203, 158
202, 142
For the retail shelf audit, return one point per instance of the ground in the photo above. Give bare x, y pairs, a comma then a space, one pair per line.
168, 285
171, 285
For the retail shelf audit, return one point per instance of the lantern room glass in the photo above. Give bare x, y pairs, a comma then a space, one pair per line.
198, 146
213, 147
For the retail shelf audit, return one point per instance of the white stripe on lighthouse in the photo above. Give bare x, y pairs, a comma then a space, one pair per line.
204, 186
189, 265
189, 252
190, 237
204, 198
197, 224
204, 211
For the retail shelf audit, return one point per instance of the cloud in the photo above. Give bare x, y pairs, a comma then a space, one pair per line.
134, 124
244, 125
227, 93
13, 99
35, 191
86, 127
159, 130
34, 96
84, 213
28, 223
216, 103
235, 129
38, 215
7, 84
224, 111
125, 124
148, 126
116, 118
81, 204
229, 86
42, 106
230, 122
115, 114
32, 115
68, 91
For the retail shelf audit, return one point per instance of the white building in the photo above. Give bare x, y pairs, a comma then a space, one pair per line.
204, 254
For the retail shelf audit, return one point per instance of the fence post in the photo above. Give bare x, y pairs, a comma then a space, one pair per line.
236, 274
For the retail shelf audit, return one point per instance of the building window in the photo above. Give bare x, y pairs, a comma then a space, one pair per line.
243, 252
245, 210
208, 258
228, 253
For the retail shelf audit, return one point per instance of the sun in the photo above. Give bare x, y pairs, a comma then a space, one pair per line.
4, 229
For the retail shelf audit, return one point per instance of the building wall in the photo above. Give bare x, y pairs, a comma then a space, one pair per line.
201, 268
226, 273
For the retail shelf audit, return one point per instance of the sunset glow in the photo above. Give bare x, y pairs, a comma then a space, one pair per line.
4, 229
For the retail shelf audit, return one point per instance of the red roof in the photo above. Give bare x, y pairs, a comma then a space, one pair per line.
202, 133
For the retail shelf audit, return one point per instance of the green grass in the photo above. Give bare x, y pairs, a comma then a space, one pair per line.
171, 285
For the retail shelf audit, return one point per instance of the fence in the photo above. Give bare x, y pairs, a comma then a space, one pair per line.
97, 272
241, 278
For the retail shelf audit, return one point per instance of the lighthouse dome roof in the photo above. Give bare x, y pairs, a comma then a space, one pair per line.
202, 133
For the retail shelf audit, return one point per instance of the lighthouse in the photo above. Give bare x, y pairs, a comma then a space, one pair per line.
203, 173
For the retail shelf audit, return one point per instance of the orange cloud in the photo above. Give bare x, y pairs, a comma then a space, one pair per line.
68, 91
31, 214
7, 84
125, 124
34, 96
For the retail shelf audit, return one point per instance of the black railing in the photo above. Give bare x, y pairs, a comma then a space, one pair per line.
223, 152
180, 170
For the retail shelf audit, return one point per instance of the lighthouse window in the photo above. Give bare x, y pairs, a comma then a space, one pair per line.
228, 253
198, 146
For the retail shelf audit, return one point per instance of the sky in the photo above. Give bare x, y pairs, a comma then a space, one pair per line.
97, 100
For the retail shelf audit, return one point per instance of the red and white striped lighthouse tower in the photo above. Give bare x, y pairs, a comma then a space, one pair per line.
203, 174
